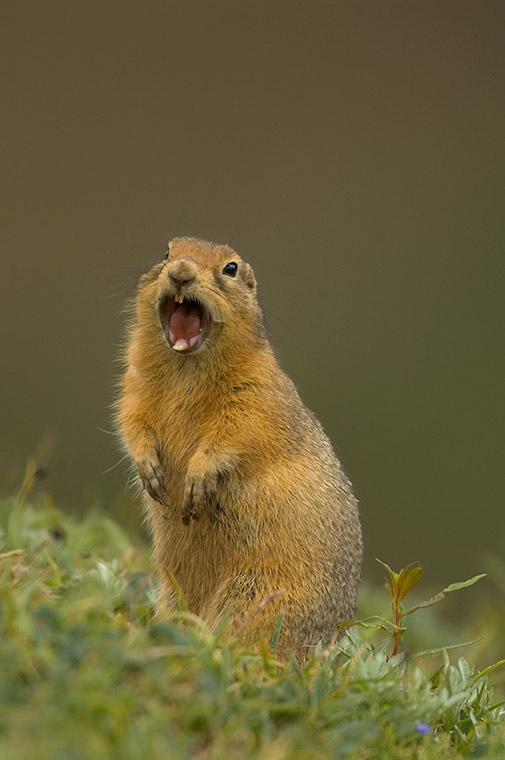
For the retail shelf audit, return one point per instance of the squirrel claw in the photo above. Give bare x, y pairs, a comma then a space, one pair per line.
192, 502
153, 479
200, 492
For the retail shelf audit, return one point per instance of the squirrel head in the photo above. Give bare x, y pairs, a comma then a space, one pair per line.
205, 296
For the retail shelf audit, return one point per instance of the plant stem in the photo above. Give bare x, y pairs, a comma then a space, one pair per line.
398, 617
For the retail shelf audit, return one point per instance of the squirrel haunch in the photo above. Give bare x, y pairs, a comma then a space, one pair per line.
248, 505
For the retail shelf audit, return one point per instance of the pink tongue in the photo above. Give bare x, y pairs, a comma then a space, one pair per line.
185, 322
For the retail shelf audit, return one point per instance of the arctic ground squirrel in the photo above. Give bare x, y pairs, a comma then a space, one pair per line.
251, 514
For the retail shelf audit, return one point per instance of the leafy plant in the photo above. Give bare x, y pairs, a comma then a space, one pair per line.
89, 672
398, 586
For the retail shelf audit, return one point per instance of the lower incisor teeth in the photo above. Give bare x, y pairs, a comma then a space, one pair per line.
180, 345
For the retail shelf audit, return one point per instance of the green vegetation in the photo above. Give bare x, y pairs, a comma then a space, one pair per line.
88, 672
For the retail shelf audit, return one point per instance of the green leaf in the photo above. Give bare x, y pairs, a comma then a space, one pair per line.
429, 603
464, 584
444, 649
276, 634
487, 670
392, 585
379, 622
441, 595
409, 576
384, 565
435, 678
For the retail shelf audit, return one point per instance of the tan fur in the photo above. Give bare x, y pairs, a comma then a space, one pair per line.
248, 501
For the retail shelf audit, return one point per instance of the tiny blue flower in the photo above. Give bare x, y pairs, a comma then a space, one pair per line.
423, 728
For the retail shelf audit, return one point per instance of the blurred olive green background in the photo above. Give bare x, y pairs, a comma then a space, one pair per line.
353, 152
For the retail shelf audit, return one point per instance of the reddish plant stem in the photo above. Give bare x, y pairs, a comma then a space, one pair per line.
398, 618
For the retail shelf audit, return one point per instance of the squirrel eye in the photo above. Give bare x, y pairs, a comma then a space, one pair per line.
231, 269
167, 254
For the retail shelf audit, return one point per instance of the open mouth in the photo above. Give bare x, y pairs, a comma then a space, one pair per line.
185, 324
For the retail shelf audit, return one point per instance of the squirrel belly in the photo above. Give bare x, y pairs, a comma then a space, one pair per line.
250, 511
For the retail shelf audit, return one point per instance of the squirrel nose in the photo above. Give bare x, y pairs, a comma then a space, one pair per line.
180, 280
181, 274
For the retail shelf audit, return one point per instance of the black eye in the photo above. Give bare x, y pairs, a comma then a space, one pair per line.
167, 254
231, 269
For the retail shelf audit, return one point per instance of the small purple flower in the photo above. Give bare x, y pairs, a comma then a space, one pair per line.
423, 728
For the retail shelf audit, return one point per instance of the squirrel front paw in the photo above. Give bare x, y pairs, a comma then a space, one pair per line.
152, 475
200, 492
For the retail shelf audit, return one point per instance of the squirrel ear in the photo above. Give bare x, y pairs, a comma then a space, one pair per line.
249, 277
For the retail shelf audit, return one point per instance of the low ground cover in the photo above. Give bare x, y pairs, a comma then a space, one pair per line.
87, 671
